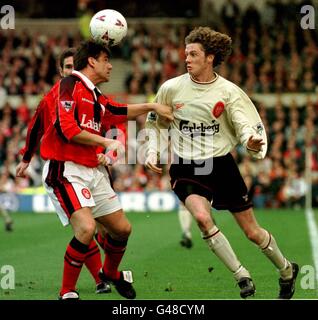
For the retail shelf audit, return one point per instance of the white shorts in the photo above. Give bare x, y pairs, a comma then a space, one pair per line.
72, 186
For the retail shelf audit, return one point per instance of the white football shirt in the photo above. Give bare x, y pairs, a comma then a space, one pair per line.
210, 119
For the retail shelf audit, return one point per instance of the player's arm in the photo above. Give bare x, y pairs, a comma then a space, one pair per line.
157, 133
153, 143
117, 132
35, 131
85, 137
248, 125
34, 134
164, 111
131, 111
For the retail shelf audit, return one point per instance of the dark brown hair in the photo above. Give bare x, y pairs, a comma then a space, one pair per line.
213, 42
88, 49
65, 54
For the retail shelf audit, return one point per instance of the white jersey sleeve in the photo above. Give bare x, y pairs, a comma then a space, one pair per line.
157, 128
246, 121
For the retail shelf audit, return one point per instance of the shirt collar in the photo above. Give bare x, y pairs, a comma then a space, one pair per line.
209, 82
89, 84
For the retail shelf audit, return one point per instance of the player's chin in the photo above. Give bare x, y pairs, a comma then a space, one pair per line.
106, 76
191, 73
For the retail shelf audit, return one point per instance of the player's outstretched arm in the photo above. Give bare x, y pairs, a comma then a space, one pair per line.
134, 110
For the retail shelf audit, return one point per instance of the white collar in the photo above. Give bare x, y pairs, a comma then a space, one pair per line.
90, 85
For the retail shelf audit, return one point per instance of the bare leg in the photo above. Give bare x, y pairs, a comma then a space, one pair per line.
265, 241
200, 208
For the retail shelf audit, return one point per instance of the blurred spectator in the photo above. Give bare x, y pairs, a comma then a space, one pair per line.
23, 111
230, 13
260, 190
294, 190
3, 93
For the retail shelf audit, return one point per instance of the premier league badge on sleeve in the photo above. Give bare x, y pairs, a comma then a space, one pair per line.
259, 128
152, 116
67, 105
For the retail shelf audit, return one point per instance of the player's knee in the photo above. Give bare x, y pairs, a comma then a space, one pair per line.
203, 220
127, 230
123, 232
253, 235
87, 230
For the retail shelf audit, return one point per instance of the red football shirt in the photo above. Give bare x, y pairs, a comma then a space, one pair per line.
76, 109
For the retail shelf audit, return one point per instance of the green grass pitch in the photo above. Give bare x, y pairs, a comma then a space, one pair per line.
162, 269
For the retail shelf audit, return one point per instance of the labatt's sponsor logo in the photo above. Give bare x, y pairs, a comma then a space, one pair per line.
195, 130
91, 124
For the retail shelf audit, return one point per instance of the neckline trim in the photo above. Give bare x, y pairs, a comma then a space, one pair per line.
205, 83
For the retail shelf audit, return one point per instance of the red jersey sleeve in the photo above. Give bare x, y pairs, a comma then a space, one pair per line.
66, 123
36, 129
115, 113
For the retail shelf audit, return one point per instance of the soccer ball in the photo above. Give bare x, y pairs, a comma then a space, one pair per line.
108, 27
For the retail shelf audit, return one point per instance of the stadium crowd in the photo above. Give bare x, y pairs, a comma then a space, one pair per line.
271, 54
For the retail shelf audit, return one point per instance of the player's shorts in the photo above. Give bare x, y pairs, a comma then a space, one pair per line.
72, 186
223, 185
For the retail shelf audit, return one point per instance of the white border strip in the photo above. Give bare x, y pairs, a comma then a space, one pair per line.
313, 235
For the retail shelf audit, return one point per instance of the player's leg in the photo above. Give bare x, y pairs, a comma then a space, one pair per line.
185, 219
72, 200
200, 208
114, 242
83, 226
93, 262
196, 192
7, 219
235, 195
268, 245
108, 212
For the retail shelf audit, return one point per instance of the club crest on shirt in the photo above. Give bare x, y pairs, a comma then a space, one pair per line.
218, 109
67, 105
86, 193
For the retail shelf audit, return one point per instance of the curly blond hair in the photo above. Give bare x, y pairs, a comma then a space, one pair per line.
213, 42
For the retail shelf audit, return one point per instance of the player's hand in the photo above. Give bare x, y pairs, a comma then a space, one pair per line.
115, 149
151, 163
164, 111
254, 144
103, 159
21, 168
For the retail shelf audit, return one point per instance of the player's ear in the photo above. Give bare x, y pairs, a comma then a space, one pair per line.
61, 71
210, 58
91, 61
